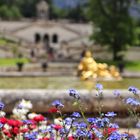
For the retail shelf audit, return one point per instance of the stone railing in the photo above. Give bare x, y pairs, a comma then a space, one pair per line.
42, 99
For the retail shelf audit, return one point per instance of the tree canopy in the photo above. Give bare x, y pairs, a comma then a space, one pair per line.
113, 26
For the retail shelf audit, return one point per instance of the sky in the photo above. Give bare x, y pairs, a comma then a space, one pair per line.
68, 3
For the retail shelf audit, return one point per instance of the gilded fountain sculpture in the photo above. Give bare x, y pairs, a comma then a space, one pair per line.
89, 68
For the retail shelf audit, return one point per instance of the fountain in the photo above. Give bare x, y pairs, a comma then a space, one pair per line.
89, 68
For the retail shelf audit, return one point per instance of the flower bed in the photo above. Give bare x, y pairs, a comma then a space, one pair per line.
23, 125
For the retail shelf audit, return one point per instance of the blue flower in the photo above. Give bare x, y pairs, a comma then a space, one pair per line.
82, 125
91, 120
1, 105
1, 125
27, 122
76, 114
110, 114
105, 121
57, 104
31, 136
138, 125
81, 133
75, 124
63, 132
115, 136
99, 86
113, 125
99, 123
132, 101
133, 89
68, 121
89, 135
97, 133
74, 93
116, 93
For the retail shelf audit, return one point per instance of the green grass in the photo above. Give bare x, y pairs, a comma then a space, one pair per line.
63, 83
129, 65
3, 42
7, 42
133, 66
12, 61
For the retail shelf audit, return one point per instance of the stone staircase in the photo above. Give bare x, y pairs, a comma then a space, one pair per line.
56, 69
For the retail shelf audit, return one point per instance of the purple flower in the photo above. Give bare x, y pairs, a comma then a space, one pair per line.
81, 133
113, 125
1, 105
115, 136
1, 125
82, 125
133, 89
91, 120
76, 114
27, 122
74, 93
138, 125
132, 101
68, 121
99, 86
116, 93
105, 121
110, 114
99, 123
57, 104
97, 133
31, 136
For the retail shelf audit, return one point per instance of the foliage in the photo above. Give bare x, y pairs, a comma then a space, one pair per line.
11, 12
24, 125
27, 8
113, 26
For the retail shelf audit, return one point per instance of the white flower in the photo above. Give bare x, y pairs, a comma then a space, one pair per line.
6, 126
25, 104
2, 113
32, 115
58, 121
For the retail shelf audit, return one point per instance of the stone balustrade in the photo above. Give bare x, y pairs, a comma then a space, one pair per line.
42, 99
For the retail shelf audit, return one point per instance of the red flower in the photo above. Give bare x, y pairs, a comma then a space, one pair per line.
94, 137
24, 130
71, 138
3, 120
52, 110
38, 118
32, 126
7, 133
44, 139
15, 130
108, 131
14, 123
57, 127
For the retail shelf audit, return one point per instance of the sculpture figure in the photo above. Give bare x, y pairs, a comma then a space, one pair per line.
88, 68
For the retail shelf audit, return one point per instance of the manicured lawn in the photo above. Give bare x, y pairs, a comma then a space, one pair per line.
129, 65
4, 41
63, 83
12, 61
133, 66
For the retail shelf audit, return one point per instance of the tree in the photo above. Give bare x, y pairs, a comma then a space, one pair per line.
9, 13
112, 23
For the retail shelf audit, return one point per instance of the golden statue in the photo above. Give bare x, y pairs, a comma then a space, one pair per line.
88, 68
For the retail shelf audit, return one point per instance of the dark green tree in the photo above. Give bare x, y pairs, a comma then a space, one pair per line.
9, 13
112, 24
